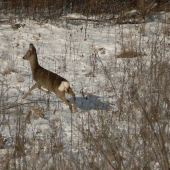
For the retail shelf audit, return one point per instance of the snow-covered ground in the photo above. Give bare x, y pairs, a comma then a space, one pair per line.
83, 53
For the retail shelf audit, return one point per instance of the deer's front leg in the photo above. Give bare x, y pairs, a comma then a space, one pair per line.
32, 88
46, 91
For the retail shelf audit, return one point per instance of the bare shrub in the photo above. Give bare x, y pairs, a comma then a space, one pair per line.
37, 112
2, 141
166, 31
19, 78
9, 67
135, 135
129, 54
104, 144
54, 9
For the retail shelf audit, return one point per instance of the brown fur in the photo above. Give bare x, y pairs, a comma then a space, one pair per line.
46, 79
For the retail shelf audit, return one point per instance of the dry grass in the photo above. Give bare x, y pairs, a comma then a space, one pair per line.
129, 54
54, 9
37, 112
19, 78
166, 31
10, 67
134, 135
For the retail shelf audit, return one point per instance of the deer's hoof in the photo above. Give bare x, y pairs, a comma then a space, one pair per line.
75, 109
24, 97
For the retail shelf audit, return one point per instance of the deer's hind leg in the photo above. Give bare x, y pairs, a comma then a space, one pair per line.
32, 88
74, 98
61, 95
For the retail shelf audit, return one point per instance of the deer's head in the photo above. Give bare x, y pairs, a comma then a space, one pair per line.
31, 53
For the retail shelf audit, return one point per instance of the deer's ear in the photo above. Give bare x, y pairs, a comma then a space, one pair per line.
32, 48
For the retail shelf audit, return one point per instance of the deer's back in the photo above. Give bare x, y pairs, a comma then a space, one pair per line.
47, 79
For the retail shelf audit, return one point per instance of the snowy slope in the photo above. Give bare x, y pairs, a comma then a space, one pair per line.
84, 55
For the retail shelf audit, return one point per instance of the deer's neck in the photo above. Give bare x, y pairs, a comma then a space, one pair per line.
34, 64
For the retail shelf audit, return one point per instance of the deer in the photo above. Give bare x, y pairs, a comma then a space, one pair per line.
47, 79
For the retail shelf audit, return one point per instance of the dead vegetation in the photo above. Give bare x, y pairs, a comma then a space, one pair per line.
10, 67
133, 135
129, 54
52, 10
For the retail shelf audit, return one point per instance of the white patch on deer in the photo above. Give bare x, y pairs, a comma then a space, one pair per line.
64, 86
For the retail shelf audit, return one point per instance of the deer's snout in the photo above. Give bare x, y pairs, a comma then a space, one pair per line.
23, 57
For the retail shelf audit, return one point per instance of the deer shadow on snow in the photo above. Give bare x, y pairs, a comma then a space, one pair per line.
91, 102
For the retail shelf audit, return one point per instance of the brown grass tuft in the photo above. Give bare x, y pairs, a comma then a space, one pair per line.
129, 54
9, 68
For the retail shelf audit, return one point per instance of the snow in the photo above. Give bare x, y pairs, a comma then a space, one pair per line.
64, 51
79, 53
